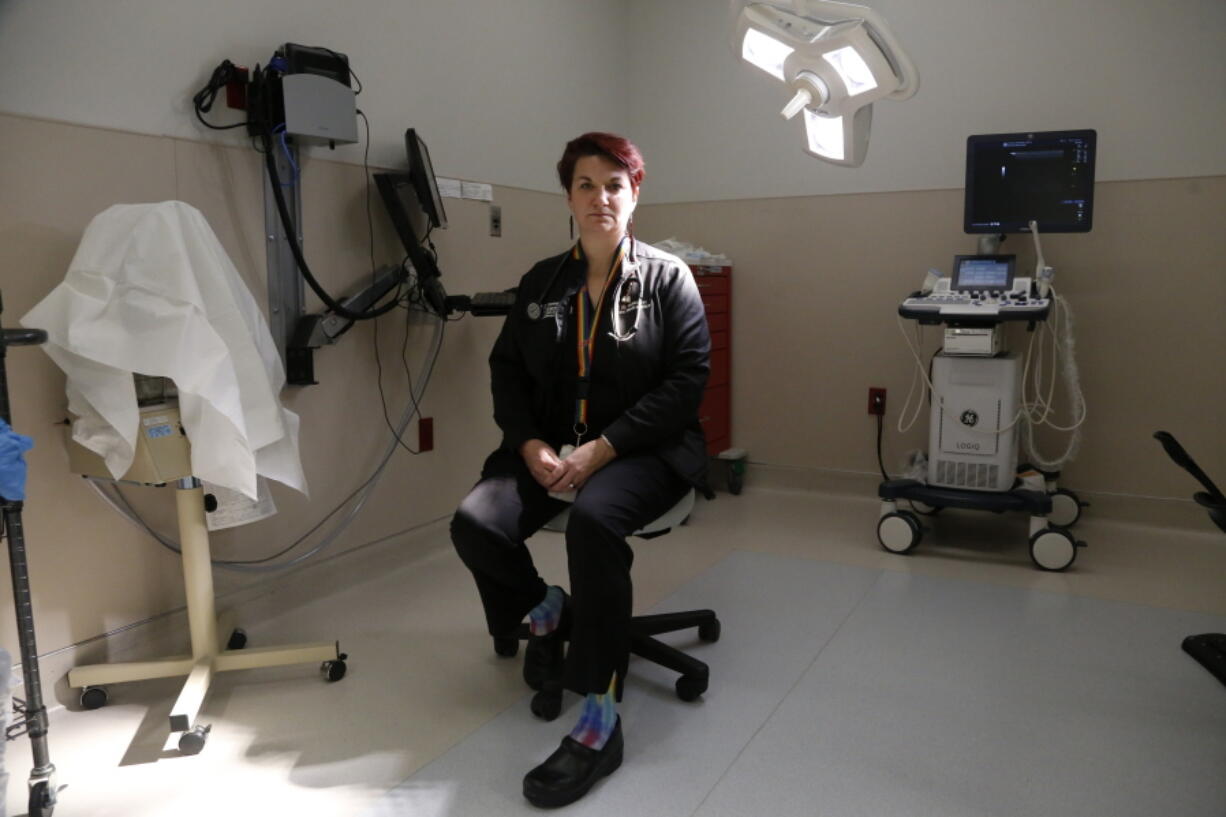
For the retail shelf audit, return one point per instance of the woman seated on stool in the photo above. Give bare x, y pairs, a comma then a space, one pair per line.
597, 377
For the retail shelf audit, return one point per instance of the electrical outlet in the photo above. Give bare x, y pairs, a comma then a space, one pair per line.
495, 220
876, 401
425, 434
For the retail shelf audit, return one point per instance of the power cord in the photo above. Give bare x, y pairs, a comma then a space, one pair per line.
287, 223
203, 100
265, 131
880, 461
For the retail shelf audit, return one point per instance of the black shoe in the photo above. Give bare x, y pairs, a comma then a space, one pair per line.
545, 654
572, 770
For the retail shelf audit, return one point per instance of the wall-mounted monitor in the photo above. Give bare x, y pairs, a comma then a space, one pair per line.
422, 174
1015, 178
400, 199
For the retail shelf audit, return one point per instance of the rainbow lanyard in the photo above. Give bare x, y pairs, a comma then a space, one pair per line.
585, 338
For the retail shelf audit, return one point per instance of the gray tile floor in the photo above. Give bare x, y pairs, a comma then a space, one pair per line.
846, 691
848, 681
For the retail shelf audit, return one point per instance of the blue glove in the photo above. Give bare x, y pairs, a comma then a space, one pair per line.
12, 462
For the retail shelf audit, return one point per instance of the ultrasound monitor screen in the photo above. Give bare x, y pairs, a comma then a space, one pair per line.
983, 272
1014, 178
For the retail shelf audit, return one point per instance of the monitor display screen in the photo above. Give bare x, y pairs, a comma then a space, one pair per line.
1014, 178
983, 272
422, 174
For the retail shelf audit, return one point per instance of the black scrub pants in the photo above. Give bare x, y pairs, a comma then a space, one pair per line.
508, 505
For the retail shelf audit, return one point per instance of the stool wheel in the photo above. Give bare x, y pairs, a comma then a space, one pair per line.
547, 704
691, 687
506, 646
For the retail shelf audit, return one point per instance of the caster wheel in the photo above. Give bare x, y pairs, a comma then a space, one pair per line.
709, 632
192, 741
924, 508
547, 704
1053, 549
691, 687
333, 671
238, 639
899, 531
1065, 509
506, 645
93, 697
42, 800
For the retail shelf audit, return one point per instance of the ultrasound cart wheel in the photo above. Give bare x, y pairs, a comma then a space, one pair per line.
899, 531
924, 508
1065, 509
1053, 549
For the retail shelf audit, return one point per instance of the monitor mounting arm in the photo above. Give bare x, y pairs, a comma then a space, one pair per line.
325, 328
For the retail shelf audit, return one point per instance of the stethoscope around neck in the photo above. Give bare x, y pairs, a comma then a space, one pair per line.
630, 272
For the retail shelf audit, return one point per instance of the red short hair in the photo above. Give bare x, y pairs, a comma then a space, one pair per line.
617, 149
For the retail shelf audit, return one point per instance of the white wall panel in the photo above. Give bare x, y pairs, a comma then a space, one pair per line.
1148, 76
496, 88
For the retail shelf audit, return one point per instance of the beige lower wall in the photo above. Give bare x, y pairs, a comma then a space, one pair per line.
91, 571
815, 286
817, 281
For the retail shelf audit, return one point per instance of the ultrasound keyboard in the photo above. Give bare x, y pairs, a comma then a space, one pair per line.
971, 304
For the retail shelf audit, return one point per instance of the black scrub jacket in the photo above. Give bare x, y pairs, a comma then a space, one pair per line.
646, 387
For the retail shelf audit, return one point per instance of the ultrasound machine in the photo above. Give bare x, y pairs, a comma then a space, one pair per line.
979, 405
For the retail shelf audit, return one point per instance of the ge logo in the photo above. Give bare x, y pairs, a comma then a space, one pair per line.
969, 417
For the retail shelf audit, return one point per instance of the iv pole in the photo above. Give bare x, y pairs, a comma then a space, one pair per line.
32, 712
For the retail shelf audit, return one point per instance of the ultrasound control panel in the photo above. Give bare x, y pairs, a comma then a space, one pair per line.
981, 286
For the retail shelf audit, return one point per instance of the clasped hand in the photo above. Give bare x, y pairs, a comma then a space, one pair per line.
558, 475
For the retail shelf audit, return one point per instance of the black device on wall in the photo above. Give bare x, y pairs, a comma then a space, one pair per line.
1014, 178
307, 59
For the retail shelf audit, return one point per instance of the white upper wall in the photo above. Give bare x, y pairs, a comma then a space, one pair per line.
497, 86
494, 87
1149, 77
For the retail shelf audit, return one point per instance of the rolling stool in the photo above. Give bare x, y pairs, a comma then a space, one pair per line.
695, 674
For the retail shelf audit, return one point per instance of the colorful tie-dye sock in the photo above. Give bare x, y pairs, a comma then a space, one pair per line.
543, 619
598, 718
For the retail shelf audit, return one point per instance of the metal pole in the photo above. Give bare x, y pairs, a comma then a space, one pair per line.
35, 712
285, 293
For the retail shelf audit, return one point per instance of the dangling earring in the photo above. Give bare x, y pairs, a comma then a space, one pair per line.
572, 228
630, 227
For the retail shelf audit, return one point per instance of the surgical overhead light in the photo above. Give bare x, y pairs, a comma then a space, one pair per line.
838, 58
